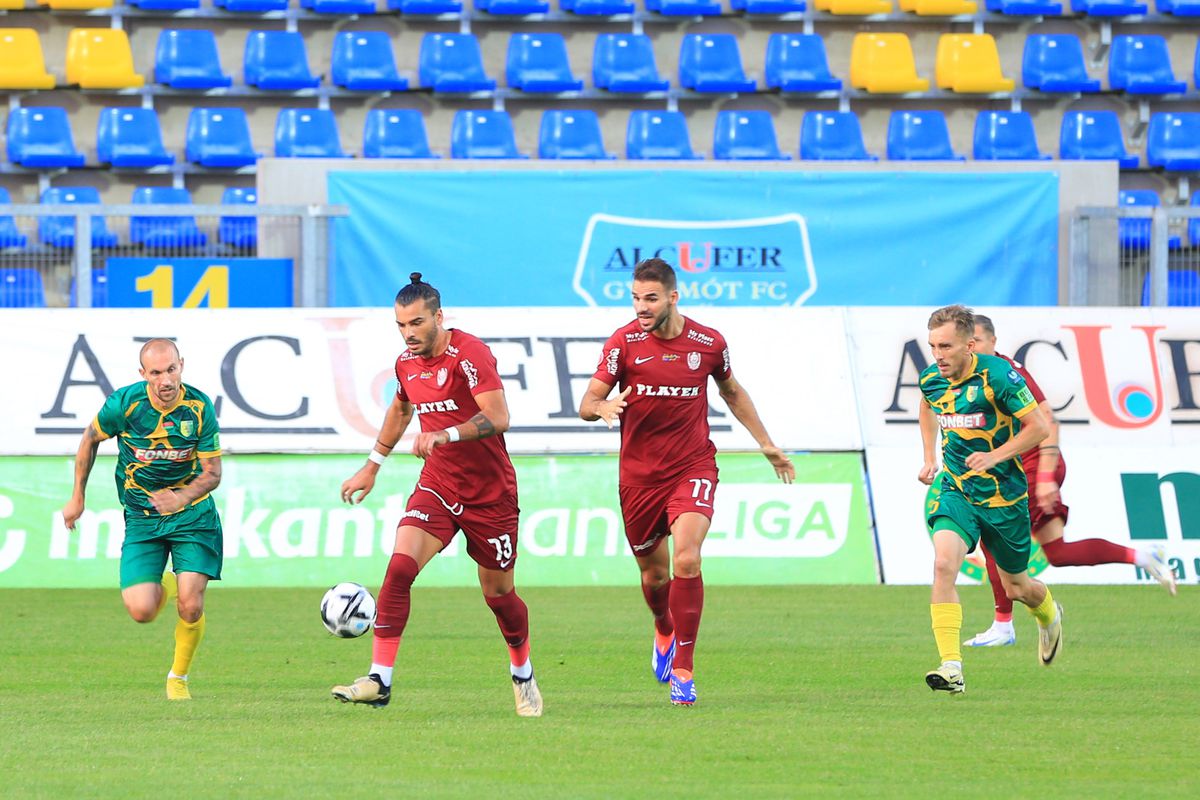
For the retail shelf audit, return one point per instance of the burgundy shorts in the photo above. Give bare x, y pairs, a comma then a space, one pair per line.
1037, 517
491, 530
649, 511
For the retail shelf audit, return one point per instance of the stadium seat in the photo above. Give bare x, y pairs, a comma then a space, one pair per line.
164, 232
710, 62
219, 138
1183, 288
1094, 136
22, 65
832, 136
854, 7
239, 232
252, 6
21, 287
483, 134
40, 138
10, 235
512, 8
363, 61
1006, 136
746, 136
685, 8
658, 136
339, 6
537, 62
187, 59
130, 138
571, 134
939, 8
1134, 234
99, 289
277, 61
76, 5
100, 58
165, 5
769, 6
1142, 65
919, 136
598, 8
796, 62
452, 62
970, 63
60, 231
1179, 8
624, 62
1109, 8
1025, 8
1173, 141
425, 7
1053, 62
882, 63
395, 133
307, 133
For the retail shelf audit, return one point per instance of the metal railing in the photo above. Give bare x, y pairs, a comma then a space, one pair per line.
1135, 256
40, 263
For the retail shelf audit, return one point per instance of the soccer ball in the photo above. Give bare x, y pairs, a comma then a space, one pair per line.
348, 610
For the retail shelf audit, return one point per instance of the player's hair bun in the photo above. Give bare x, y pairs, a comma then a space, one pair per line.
415, 277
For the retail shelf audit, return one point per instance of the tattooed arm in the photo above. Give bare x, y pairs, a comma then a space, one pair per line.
491, 420
85, 458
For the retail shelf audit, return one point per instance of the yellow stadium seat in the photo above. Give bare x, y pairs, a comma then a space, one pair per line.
969, 62
12, 5
859, 7
81, 5
883, 63
100, 58
22, 65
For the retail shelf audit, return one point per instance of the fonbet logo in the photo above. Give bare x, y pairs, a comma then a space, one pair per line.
768, 520
737, 262
974, 566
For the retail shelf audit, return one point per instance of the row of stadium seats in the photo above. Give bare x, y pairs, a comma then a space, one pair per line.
219, 138
538, 63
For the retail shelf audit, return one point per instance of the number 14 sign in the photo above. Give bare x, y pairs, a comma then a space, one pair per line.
199, 282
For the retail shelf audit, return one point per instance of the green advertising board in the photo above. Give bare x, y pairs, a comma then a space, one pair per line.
285, 525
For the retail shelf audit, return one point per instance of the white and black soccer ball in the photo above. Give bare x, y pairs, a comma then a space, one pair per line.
348, 610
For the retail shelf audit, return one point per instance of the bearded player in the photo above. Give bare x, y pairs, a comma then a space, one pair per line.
668, 470
449, 379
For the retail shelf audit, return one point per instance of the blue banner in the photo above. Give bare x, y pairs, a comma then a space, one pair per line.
525, 238
197, 283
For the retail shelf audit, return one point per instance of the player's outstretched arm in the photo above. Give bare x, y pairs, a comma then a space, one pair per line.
596, 405
928, 425
85, 458
1033, 431
492, 420
168, 501
739, 402
395, 423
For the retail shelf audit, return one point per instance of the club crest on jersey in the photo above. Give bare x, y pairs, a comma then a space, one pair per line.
972, 393
693, 360
186, 427
442, 374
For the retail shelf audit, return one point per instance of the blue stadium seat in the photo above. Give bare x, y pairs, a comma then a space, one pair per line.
769, 6
363, 61
1194, 222
239, 232
710, 62
277, 61
483, 134
219, 138
339, 6
60, 231
1109, 8
598, 8
571, 134
164, 232
395, 133
1053, 62
307, 133
187, 59
252, 6
130, 138
919, 136
1094, 136
21, 287
685, 8
1006, 136
425, 7
1025, 8
832, 136
746, 136
512, 8
1183, 288
1179, 8
10, 235
452, 62
1173, 141
658, 136
1134, 234
537, 62
40, 138
99, 289
624, 62
796, 62
1142, 65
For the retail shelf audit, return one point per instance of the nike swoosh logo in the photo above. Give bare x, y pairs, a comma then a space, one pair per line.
410, 377
685, 644
504, 564
703, 505
643, 359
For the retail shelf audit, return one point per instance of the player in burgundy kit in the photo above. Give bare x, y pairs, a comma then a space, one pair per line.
1046, 470
449, 379
668, 477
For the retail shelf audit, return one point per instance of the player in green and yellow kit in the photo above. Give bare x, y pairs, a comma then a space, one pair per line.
168, 463
987, 417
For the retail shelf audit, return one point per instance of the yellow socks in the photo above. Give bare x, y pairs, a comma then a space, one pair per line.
1045, 612
947, 628
187, 639
170, 589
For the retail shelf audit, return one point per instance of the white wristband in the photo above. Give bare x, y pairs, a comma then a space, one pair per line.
453, 434
376, 456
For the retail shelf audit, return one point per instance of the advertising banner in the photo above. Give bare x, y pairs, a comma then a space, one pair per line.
748, 238
302, 380
284, 524
198, 283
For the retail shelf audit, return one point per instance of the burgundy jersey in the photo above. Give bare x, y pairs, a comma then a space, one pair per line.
664, 427
442, 390
1030, 457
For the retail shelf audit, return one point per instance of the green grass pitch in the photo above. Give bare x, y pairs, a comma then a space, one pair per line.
804, 692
